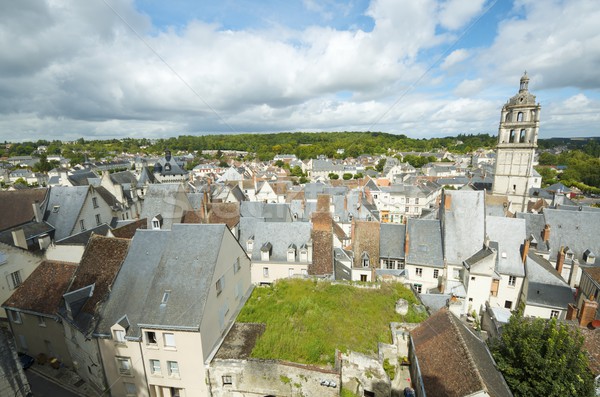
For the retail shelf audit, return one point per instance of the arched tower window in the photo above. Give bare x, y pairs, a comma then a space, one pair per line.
522, 136
507, 118
512, 136
520, 116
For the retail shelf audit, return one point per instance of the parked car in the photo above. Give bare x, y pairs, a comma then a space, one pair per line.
25, 360
409, 392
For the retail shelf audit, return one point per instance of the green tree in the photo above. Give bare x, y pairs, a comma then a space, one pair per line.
347, 176
380, 165
333, 175
540, 357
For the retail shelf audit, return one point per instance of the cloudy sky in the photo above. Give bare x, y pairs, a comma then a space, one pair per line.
154, 68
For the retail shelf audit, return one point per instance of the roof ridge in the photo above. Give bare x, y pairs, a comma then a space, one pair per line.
463, 344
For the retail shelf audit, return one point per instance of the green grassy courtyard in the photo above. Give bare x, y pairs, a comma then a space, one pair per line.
307, 320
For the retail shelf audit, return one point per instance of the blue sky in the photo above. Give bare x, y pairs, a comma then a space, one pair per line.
149, 68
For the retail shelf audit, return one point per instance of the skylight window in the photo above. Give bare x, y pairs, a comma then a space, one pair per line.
165, 297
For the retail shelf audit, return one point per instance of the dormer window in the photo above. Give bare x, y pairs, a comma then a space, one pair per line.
265, 251
157, 222
364, 260
167, 167
291, 253
589, 257
303, 254
568, 254
250, 244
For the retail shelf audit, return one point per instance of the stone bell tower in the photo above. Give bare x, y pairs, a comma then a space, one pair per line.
517, 141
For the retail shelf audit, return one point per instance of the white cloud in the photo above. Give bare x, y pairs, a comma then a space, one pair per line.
75, 69
456, 13
455, 57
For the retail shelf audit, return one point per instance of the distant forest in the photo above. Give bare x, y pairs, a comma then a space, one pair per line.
580, 157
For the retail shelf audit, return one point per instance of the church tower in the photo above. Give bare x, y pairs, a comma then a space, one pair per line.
517, 141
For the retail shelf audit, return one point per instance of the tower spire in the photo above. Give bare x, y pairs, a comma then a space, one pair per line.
524, 82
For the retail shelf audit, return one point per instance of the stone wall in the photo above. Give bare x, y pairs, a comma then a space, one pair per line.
254, 377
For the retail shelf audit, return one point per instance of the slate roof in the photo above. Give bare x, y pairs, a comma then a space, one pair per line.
99, 266
280, 235
31, 230
69, 200
42, 291
464, 224
146, 177
425, 243
391, 240
123, 178
271, 212
166, 199
82, 177
579, 230
16, 206
545, 286
83, 237
453, 361
510, 234
181, 260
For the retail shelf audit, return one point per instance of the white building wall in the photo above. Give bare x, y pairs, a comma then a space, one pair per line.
276, 270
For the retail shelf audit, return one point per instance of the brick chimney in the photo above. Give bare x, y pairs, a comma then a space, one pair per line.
587, 314
573, 274
546, 233
571, 312
525, 250
447, 201
560, 260
406, 245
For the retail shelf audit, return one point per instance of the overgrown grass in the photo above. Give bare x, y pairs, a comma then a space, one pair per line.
307, 320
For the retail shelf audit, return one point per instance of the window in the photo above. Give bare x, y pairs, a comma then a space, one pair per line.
98, 220
520, 116
512, 136
41, 321
554, 313
155, 224
14, 279
236, 266
95, 202
151, 338
165, 297
419, 272
365, 260
522, 136
82, 224
227, 380
169, 340
173, 368
266, 272
508, 304
129, 389
291, 272
219, 285
124, 365
363, 277
155, 367
418, 287
119, 335
436, 273
15, 317
389, 264
406, 209
512, 280
417, 200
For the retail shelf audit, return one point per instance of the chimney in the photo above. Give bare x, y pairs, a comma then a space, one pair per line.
19, 238
546, 233
571, 312
447, 201
587, 314
525, 250
573, 274
406, 244
36, 211
560, 260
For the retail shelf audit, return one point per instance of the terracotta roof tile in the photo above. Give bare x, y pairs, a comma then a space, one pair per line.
16, 208
128, 230
99, 265
42, 291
